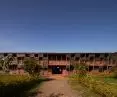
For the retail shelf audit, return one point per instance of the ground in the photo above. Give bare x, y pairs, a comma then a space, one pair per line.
58, 86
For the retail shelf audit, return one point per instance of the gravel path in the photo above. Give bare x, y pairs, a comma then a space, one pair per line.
58, 87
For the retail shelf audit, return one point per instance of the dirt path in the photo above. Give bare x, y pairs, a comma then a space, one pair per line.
58, 86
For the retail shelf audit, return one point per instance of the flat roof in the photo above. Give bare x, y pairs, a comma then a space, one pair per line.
59, 52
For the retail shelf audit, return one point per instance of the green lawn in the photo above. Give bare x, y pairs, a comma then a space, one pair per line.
84, 91
106, 79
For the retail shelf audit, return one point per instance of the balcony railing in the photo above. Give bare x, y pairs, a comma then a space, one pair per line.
59, 63
20, 55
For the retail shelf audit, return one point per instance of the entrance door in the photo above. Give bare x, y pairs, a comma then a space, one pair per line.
56, 70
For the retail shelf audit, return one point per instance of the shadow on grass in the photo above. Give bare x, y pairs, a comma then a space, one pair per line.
21, 89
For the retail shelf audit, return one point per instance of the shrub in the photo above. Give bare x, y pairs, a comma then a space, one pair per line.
81, 69
31, 66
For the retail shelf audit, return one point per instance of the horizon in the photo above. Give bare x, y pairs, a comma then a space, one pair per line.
57, 52
58, 26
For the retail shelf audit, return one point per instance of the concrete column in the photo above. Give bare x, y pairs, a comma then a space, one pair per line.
93, 63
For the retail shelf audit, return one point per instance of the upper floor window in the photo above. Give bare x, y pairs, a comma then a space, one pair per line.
5, 54
45, 55
72, 55
14, 55
82, 55
97, 55
40, 58
87, 55
27, 55
36, 55
77, 58
106, 55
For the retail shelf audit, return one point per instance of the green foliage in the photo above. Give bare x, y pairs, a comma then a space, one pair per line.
1, 63
5, 62
31, 66
81, 69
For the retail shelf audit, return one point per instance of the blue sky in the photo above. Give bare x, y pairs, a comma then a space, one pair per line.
58, 25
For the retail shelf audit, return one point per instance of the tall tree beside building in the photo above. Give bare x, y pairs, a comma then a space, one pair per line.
31, 66
5, 62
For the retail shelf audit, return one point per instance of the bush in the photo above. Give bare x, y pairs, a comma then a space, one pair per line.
81, 69
31, 66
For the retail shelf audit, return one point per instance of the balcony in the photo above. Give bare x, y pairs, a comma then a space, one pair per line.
59, 63
20, 55
31, 55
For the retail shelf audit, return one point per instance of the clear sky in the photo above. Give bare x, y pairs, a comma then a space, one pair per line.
58, 25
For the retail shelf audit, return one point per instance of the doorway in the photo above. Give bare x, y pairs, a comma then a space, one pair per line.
57, 69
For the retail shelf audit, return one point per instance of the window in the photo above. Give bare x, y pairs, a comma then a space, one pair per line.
14, 55
40, 58
45, 55
87, 55
91, 58
82, 55
36, 55
77, 58
68, 58
19, 58
27, 55
97, 55
58, 57
5, 54
72, 55
106, 55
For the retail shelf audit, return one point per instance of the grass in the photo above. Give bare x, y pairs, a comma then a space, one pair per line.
108, 79
84, 91
103, 85
18, 85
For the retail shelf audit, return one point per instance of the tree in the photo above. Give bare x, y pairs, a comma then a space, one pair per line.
5, 62
31, 66
1, 63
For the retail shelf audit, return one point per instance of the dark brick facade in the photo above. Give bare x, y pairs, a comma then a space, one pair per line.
93, 60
